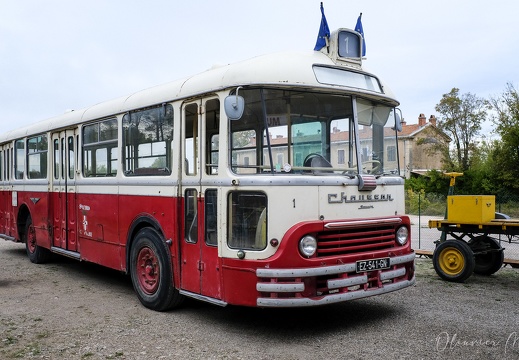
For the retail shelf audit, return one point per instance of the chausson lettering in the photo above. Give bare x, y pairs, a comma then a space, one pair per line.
344, 198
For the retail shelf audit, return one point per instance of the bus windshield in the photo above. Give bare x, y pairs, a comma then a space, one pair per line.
302, 132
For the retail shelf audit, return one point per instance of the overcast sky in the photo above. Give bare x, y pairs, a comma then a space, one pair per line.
58, 55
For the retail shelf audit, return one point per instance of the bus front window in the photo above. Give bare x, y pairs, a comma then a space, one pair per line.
298, 132
377, 138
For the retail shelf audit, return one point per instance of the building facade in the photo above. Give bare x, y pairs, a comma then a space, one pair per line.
419, 146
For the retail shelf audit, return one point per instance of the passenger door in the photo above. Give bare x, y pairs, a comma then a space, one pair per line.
200, 265
63, 194
6, 190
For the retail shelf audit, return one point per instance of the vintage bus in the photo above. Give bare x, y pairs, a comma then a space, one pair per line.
273, 182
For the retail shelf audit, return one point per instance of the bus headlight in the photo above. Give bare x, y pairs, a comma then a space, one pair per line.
308, 246
402, 235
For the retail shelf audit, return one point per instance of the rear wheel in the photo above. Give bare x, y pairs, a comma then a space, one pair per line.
36, 253
453, 260
151, 272
489, 255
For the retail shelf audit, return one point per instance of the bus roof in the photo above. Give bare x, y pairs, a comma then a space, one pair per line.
279, 69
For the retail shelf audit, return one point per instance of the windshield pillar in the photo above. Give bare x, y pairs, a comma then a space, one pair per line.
356, 134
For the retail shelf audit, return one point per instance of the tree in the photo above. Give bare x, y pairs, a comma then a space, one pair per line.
505, 157
461, 117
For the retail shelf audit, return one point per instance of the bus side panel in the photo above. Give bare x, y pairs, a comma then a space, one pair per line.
159, 209
8, 215
55, 217
38, 205
11, 215
239, 283
98, 229
3, 210
71, 223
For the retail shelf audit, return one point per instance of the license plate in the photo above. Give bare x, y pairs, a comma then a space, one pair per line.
374, 264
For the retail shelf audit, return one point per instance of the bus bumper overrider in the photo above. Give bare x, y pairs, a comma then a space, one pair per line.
285, 287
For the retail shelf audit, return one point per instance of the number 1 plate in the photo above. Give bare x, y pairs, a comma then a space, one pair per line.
371, 265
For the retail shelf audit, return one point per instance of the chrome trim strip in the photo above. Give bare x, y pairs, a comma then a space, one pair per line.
67, 253
275, 287
203, 298
397, 260
327, 270
388, 275
305, 272
354, 223
7, 237
334, 298
352, 281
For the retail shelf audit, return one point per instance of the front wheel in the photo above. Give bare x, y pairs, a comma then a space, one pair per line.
151, 272
453, 260
36, 253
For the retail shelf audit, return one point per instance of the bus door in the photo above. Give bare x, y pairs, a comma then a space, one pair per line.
200, 266
5, 192
63, 196
11, 195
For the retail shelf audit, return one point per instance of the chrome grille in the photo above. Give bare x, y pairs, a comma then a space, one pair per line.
355, 240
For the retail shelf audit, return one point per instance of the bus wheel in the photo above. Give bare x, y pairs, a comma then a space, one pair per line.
453, 260
151, 272
36, 253
488, 262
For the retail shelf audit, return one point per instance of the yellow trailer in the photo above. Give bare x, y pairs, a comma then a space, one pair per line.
470, 223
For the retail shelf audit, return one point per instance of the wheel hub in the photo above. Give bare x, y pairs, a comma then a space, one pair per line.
149, 273
452, 261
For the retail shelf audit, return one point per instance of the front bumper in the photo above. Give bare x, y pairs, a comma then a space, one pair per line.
286, 287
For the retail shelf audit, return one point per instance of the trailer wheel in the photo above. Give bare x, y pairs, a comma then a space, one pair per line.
453, 260
151, 272
36, 253
491, 261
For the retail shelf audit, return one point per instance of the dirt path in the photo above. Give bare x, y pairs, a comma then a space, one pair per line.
73, 310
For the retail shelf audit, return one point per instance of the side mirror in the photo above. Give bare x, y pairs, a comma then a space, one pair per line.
398, 119
234, 106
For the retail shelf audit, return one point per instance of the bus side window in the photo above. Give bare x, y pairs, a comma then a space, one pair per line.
212, 138
211, 226
190, 216
191, 139
19, 159
8, 163
147, 137
247, 220
37, 148
56, 159
99, 142
71, 157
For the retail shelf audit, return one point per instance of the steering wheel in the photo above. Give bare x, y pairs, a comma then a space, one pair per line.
377, 165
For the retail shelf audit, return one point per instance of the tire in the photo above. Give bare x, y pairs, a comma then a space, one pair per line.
151, 272
490, 262
453, 260
36, 253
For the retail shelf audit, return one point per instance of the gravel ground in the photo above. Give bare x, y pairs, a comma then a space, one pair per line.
73, 310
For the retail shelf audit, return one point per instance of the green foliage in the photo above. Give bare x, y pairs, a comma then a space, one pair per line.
433, 182
505, 154
461, 118
489, 167
414, 201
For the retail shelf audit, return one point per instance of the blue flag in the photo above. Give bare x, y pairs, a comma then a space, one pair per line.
358, 28
324, 32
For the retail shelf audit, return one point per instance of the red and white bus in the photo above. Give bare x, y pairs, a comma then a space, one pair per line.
273, 182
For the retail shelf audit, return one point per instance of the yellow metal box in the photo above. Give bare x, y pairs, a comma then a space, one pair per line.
473, 209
